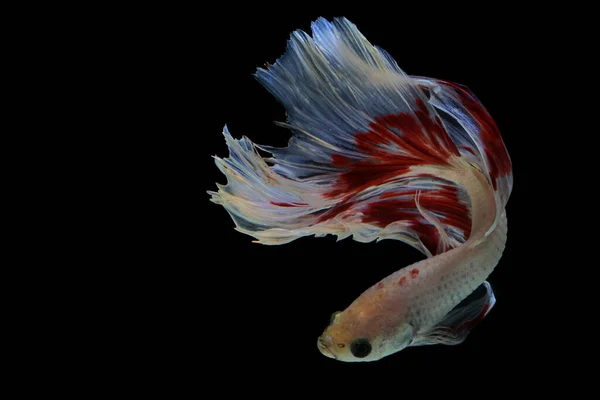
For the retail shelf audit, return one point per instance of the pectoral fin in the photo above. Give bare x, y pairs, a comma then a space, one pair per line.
459, 322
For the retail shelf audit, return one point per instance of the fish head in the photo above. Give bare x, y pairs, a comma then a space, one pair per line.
363, 335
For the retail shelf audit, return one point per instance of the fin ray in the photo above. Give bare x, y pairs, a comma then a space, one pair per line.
359, 126
456, 326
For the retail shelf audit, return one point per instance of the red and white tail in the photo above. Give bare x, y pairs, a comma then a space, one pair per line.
361, 127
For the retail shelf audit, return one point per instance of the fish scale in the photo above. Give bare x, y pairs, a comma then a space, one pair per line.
434, 300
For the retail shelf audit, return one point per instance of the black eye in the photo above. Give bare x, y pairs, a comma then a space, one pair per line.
360, 347
335, 314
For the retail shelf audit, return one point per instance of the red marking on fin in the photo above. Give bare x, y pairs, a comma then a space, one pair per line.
443, 201
392, 145
423, 140
276, 203
387, 195
495, 150
402, 281
483, 312
414, 273
470, 150
469, 325
335, 210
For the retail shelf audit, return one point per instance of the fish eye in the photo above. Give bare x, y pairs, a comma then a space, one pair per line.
360, 347
332, 318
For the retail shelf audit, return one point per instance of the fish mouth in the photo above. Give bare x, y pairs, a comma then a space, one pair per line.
325, 349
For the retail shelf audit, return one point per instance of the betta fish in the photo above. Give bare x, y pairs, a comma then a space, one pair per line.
377, 154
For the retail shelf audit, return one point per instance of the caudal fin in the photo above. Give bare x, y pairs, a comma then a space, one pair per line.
360, 127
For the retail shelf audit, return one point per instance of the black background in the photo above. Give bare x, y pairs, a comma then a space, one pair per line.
249, 314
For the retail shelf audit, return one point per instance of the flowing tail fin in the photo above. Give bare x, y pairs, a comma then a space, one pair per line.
360, 128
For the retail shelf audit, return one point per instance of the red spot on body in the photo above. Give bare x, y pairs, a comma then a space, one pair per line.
380, 285
402, 281
414, 273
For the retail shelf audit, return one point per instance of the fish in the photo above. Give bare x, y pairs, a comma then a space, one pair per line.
377, 154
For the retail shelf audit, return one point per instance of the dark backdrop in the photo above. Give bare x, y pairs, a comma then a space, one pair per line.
249, 314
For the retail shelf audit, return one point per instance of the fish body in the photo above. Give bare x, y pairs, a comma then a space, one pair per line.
410, 306
377, 154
